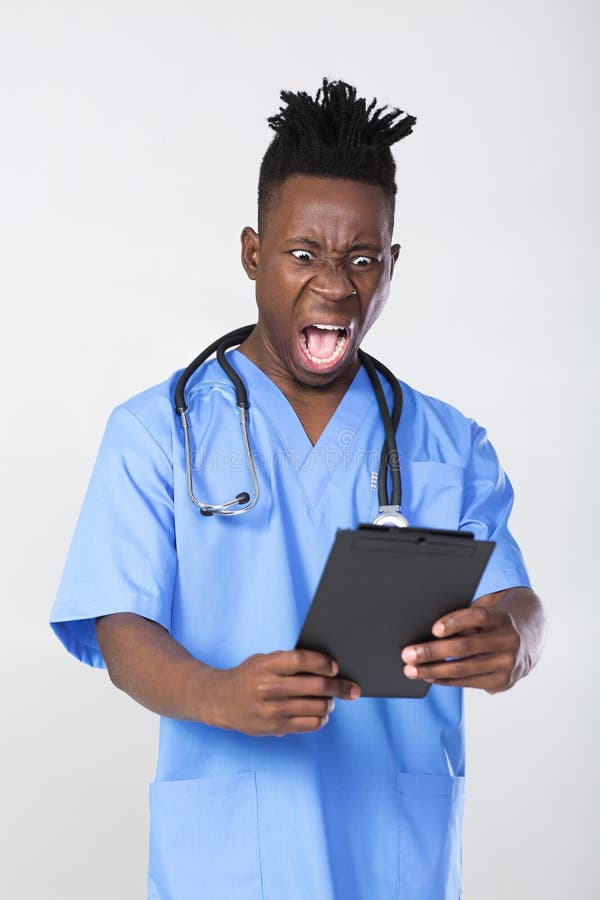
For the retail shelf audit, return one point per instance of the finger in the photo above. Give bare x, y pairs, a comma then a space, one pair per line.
290, 662
461, 619
472, 643
490, 682
475, 666
302, 706
318, 686
300, 724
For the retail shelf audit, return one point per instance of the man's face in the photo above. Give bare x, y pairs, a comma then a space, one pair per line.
322, 269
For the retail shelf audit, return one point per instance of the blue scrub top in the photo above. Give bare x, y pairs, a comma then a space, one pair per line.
370, 806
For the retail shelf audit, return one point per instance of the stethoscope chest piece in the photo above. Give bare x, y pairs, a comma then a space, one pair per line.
391, 515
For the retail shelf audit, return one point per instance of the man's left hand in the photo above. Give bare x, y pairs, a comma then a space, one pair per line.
482, 646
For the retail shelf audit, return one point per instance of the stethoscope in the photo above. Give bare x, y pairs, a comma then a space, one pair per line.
389, 513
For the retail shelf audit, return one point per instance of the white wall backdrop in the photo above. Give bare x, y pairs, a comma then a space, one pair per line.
131, 136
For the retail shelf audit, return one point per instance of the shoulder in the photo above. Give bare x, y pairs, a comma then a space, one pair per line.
441, 428
152, 411
154, 404
433, 408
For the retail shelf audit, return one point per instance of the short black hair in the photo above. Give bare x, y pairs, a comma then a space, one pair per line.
334, 135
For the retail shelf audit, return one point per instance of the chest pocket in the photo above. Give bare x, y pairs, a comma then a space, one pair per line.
432, 494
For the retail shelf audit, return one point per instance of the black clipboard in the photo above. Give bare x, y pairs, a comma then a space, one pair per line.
383, 588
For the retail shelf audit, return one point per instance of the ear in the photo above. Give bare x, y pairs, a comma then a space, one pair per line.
250, 251
394, 255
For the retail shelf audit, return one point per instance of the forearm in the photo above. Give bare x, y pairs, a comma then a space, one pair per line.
144, 661
525, 609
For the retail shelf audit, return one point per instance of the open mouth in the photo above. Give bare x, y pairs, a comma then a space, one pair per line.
324, 345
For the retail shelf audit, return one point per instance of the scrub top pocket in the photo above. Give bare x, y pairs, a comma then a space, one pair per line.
430, 814
432, 494
204, 839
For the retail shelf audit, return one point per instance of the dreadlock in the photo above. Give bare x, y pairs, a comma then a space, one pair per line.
334, 135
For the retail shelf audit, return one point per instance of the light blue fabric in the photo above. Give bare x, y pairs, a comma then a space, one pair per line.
371, 805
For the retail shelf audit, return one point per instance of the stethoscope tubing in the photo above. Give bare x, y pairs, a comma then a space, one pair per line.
389, 458
389, 452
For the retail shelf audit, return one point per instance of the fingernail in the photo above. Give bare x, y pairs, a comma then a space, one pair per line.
410, 671
438, 629
409, 654
331, 705
334, 668
354, 692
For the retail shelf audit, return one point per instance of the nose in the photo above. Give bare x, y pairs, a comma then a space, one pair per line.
332, 282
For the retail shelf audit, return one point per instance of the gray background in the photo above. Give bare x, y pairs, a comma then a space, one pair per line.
131, 139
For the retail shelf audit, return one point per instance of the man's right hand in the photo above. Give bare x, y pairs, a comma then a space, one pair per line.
267, 694
278, 693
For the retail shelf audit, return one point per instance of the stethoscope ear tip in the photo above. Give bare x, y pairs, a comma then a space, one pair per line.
243, 497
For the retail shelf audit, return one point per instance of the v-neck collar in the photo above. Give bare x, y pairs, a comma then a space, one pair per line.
340, 433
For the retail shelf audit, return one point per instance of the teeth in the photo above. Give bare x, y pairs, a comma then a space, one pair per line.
339, 346
329, 327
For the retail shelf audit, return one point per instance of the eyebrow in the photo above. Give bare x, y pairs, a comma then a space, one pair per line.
300, 239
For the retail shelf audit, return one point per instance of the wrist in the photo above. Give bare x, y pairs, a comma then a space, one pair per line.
525, 612
200, 693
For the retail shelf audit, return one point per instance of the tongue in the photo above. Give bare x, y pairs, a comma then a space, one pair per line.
321, 341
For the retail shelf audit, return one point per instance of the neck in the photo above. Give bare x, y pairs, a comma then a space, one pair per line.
313, 404
260, 352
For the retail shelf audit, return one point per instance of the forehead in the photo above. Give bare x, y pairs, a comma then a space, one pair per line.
334, 209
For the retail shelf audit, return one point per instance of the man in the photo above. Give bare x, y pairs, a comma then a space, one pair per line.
263, 790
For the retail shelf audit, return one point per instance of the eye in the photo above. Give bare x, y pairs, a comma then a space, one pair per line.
362, 261
303, 255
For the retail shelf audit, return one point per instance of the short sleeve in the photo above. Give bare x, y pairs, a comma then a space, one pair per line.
488, 500
122, 556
